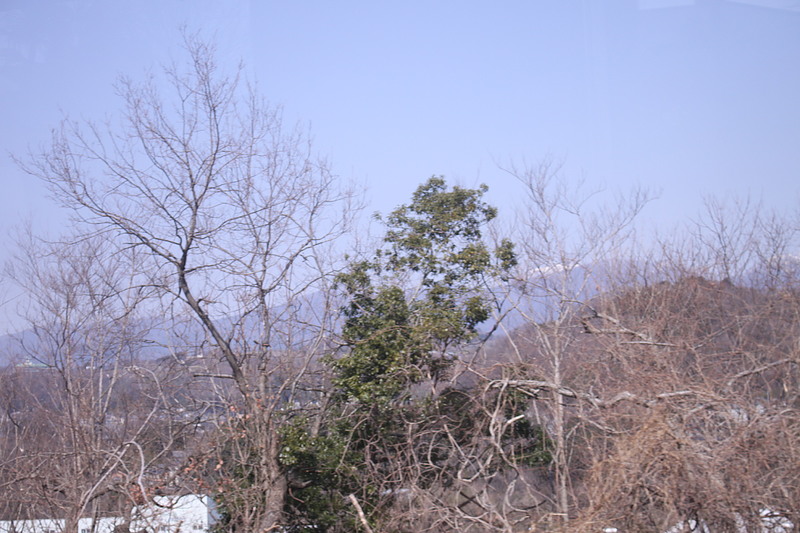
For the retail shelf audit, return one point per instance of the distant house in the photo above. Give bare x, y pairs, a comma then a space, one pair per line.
771, 522
191, 513
52, 525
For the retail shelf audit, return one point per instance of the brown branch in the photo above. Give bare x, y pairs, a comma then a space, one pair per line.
759, 369
360, 512
531, 387
643, 339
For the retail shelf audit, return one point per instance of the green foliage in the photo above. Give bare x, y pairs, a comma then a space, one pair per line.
329, 466
230, 470
524, 442
534, 447
439, 234
508, 259
421, 293
409, 307
527, 442
325, 469
386, 354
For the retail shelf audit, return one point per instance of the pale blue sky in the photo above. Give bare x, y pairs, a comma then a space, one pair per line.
687, 97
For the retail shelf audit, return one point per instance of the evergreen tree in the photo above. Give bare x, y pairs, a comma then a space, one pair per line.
421, 295
410, 308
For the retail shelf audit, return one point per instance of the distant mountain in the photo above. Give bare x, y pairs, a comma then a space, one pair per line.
534, 300
158, 338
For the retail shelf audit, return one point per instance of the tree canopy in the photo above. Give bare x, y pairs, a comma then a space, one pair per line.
422, 292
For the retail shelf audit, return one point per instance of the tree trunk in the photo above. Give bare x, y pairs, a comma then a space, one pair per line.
274, 500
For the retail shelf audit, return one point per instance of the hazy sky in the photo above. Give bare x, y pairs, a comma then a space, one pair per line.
687, 97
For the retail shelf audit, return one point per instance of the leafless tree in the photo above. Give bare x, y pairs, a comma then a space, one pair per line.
84, 421
715, 440
676, 394
237, 217
570, 245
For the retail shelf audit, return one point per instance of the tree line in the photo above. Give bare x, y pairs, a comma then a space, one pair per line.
209, 324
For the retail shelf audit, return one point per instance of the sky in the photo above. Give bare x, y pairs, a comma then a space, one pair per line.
688, 98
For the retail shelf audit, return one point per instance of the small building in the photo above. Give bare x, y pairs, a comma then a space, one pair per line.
191, 513
54, 525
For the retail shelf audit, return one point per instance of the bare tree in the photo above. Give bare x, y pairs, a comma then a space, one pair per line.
236, 216
570, 243
83, 422
715, 440
677, 394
